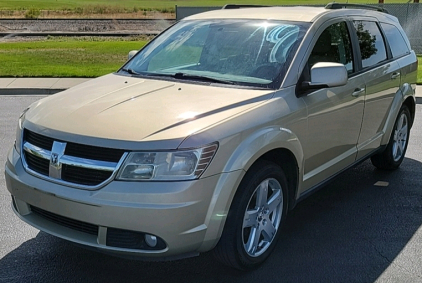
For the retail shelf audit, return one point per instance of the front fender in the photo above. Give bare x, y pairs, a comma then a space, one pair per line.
246, 153
261, 142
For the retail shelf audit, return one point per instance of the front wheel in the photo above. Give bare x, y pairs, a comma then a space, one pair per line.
255, 217
393, 155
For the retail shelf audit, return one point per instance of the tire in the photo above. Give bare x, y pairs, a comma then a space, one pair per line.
255, 218
393, 155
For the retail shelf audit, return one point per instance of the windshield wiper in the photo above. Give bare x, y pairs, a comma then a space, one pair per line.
132, 72
184, 76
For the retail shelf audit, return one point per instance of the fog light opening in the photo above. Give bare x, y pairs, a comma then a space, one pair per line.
150, 240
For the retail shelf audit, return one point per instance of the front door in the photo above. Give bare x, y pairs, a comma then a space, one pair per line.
334, 114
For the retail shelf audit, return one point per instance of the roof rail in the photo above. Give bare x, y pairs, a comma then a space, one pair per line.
334, 5
236, 6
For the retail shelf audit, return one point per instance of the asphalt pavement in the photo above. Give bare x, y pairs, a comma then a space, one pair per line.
365, 226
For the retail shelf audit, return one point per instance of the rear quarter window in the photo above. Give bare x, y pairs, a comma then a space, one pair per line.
395, 39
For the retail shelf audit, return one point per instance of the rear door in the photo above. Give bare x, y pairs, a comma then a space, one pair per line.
382, 79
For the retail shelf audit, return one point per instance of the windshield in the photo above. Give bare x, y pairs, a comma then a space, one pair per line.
237, 52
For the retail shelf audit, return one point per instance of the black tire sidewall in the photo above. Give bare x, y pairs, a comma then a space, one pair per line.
385, 159
255, 175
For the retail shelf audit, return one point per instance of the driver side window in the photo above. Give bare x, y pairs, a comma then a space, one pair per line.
333, 45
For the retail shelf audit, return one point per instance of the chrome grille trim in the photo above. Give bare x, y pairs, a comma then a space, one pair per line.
73, 161
37, 151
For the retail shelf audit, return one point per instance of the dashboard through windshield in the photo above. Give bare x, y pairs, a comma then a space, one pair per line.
253, 53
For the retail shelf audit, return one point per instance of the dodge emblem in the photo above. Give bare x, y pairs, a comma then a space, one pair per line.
57, 152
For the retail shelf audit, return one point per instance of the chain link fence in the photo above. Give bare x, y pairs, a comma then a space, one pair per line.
410, 17
408, 14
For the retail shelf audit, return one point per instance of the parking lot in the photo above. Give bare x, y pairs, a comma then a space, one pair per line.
356, 229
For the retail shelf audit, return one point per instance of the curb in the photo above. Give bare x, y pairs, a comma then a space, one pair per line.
29, 91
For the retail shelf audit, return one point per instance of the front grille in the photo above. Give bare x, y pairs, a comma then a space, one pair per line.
93, 152
38, 164
75, 149
84, 176
83, 172
38, 140
66, 222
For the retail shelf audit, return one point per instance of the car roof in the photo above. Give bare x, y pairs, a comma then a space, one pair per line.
290, 13
302, 14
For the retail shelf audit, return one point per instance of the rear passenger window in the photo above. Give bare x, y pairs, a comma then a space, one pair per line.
395, 40
371, 43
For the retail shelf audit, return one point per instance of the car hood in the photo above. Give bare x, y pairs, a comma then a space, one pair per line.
116, 108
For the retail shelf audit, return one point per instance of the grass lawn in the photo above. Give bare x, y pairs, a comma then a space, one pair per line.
74, 57
65, 57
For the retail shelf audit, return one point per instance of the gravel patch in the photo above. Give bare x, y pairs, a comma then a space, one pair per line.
88, 25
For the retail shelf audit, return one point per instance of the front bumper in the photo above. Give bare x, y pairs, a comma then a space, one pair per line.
187, 217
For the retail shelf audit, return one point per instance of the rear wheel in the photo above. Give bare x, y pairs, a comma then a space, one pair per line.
393, 155
255, 217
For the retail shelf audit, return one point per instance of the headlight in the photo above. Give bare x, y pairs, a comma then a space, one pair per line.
19, 128
166, 166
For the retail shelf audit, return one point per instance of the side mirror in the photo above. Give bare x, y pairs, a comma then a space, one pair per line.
326, 74
131, 54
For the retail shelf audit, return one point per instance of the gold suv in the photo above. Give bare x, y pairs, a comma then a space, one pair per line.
211, 133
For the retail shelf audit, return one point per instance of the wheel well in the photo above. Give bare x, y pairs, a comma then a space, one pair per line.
287, 161
410, 103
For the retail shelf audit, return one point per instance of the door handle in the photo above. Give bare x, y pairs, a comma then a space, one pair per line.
358, 91
395, 75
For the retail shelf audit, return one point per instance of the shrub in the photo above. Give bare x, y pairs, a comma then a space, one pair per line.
32, 14
79, 10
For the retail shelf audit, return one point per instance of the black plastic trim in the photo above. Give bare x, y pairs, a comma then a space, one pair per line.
319, 186
335, 6
240, 6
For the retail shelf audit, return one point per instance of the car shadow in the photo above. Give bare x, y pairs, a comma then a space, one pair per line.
350, 231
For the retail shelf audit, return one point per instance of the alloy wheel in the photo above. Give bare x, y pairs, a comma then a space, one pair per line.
262, 217
400, 137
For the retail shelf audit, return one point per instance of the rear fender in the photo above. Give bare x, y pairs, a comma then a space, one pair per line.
401, 95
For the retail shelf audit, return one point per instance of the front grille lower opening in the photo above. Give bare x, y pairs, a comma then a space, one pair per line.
65, 221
